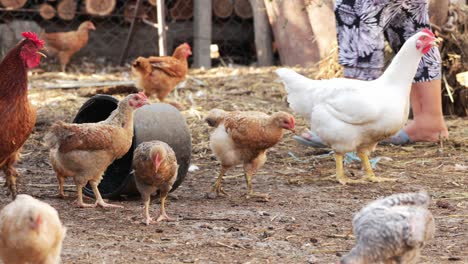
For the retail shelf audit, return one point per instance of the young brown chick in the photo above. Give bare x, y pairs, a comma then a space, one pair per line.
30, 232
155, 166
392, 230
84, 151
243, 138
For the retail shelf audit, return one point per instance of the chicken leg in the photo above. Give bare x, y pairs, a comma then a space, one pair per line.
162, 212
99, 200
148, 218
10, 173
79, 201
61, 193
340, 176
217, 186
250, 193
10, 181
370, 176
250, 169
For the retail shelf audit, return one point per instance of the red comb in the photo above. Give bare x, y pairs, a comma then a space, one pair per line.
292, 121
187, 45
428, 31
157, 159
32, 36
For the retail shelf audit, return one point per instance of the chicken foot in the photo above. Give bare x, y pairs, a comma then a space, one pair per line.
340, 176
217, 186
370, 176
148, 219
61, 193
79, 200
250, 193
99, 201
10, 180
162, 213
162, 210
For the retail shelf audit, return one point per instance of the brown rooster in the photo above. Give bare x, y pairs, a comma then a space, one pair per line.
65, 44
243, 138
160, 75
84, 151
17, 115
155, 167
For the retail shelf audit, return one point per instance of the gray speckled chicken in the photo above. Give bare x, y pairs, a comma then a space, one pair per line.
392, 230
155, 166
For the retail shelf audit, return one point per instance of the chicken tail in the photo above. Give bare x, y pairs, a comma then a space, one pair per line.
421, 199
215, 117
298, 90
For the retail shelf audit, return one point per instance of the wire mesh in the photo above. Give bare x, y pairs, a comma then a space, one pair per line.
233, 33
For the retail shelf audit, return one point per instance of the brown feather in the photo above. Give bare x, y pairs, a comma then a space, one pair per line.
144, 165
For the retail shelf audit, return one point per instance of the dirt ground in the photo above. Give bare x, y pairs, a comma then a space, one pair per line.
308, 218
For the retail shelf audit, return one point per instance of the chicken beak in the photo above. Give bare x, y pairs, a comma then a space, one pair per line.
42, 54
37, 224
436, 42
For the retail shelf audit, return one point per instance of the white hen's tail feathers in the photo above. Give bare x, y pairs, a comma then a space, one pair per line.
420, 199
298, 88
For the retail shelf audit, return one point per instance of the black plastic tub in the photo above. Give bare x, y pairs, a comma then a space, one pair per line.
151, 122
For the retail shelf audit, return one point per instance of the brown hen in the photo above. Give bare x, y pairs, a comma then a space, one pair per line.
244, 138
155, 166
160, 75
84, 151
65, 44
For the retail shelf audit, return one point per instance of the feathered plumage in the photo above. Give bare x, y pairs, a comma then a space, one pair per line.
155, 165
392, 230
243, 138
354, 115
84, 151
30, 232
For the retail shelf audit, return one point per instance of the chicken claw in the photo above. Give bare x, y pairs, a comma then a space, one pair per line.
10, 183
84, 205
345, 180
107, 205
218, 188
164, 217
148, 221
373, 178
264, 196
61, 195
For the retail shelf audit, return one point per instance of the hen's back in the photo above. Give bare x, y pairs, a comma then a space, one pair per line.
393, 226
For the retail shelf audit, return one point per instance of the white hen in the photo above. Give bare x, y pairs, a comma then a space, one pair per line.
30, 232
352, 115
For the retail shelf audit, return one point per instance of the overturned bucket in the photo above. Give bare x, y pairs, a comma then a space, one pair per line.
151, 122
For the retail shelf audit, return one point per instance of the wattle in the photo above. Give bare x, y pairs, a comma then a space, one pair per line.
33, 61
426, 49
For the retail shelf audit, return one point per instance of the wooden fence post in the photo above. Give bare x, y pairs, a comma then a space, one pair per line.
263, 40
202, 33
